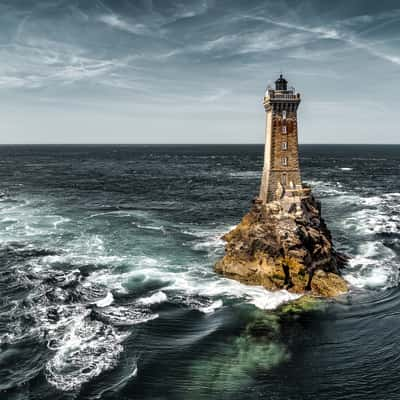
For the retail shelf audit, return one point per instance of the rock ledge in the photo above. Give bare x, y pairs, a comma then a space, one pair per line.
284, 244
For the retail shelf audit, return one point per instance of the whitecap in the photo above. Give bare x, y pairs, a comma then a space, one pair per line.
156, 298
375, 278
9, 219
212, 286
372, 267
209, 240
326, 187
106, 301
88, 348
212, 307
271, 300
60, 221
371, 201
245, 174
124, 316
372, 221
212, 244
149, 227
120, 213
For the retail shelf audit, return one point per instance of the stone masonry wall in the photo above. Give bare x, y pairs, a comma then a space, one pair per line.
273, 172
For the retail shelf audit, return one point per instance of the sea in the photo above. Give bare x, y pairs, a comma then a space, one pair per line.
107, 288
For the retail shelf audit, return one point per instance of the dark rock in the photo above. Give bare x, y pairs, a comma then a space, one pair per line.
284, 244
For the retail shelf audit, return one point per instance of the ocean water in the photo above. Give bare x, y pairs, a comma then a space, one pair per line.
108, 290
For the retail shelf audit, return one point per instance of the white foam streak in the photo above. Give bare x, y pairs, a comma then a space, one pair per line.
88, 348
216, 287
376, 278
373, 265
106, 301
156, 298
212, 307
245, 174
272, 300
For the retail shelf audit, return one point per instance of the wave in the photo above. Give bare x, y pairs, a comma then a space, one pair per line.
326, 188
195, 286
156, 298
87, 349
373, 264
245, 174
372, 222
106, 301
212, 307
75, 317
120, 212
374, 267
150, 227
208, 240
124, 316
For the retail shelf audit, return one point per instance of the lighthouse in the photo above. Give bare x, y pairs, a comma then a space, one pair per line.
283, 241
281, 172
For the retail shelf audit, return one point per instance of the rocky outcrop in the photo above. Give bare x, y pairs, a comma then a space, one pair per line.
284, 244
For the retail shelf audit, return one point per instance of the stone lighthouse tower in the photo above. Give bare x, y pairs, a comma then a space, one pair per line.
281, 173
283, 241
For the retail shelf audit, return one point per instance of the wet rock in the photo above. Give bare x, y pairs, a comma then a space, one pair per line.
284, 244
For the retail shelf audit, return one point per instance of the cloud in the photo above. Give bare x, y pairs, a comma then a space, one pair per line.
321, 32
258, 43
386, 16
215, 97
34, 61
42, 63
333, 33
12, 82
82, 68
116, 22
195, 9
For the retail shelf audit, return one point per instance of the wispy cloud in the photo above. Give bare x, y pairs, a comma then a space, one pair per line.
363, 19
321, 32
334, 33
117, 22
218, 95
82, 69
40, 63
194, 10
13, 82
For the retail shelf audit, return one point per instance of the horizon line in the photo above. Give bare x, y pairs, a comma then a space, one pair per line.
190, 144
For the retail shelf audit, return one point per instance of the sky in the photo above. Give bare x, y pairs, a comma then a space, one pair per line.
195, 71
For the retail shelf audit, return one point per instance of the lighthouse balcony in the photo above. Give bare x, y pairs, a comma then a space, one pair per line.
272, 95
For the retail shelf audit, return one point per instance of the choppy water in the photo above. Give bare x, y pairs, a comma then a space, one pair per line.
108, 290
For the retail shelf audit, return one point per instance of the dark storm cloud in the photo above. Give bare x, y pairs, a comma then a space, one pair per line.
196, 68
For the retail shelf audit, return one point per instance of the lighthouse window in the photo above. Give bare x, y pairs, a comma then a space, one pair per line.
284, 161
284, 145
283, 128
